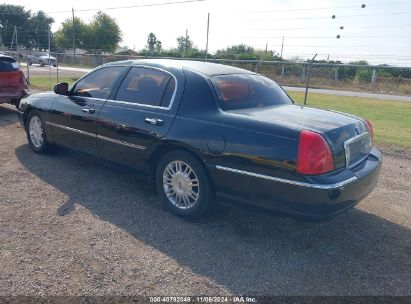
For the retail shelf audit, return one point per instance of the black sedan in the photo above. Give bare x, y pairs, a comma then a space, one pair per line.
201, 129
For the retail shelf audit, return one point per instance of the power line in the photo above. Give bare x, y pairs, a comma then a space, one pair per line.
328, 27
125, 7
109, 8
335, 46
323, 37
325, 8
329, 17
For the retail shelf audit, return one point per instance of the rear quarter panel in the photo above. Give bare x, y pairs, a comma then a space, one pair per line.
231, 140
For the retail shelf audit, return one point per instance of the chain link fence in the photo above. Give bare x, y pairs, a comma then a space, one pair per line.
355, 80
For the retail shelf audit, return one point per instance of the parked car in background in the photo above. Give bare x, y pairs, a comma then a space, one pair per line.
13, 84
201, 129
42, 58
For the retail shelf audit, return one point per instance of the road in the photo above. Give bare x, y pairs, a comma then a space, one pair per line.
351, 94
35, 70
77, 72
72, 225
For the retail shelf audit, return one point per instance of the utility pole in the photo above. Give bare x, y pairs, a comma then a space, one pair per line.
282, 47
49, 56
186, 42
1, 39
308, 79
12, 39
266, 48
38, 39
74, 37
208, 30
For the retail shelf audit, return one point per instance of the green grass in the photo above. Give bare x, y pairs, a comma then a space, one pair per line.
391, 119
43, 83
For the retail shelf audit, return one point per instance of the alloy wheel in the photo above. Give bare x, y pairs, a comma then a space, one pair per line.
181, 184
36, 132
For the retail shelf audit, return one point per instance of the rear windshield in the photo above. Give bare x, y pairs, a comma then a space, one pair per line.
243, 91
8, 64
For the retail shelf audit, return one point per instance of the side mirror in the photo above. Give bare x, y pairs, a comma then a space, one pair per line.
61, 88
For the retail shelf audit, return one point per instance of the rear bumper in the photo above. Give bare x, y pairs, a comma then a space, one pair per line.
7, 97
317, 198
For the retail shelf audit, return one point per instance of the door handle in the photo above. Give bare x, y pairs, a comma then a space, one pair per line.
154, 121
88, 110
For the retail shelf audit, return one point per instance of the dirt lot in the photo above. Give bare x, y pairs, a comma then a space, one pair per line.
71, 225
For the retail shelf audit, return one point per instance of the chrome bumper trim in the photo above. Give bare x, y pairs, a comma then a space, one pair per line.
291, 182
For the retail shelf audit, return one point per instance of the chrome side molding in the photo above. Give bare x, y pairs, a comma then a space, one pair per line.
291, 182
120, 142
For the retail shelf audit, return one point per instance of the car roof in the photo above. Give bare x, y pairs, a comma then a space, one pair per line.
206, 68
2, 56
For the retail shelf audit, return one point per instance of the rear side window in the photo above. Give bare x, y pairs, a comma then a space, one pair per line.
147, 86
8, 65
242, 91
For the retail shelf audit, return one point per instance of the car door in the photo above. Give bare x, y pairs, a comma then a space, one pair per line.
73, 116
37, 58
139, 112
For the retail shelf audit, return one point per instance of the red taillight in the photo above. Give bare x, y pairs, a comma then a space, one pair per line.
314, 154
12, 79
370, 130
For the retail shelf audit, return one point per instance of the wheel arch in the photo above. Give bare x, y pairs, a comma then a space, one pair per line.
169, 146
26, 114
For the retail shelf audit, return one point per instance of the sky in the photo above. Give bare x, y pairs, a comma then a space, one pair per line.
379, 33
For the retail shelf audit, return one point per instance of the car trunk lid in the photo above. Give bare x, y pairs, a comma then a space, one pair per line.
337, 128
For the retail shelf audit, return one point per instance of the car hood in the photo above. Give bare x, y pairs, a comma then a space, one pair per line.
334, 126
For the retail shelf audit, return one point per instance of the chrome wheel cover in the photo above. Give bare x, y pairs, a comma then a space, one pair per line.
181, 184
36, 132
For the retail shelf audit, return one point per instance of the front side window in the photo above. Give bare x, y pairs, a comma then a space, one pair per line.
147, 86
243, 91
97, 84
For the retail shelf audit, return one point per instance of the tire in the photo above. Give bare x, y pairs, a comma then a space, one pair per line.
36, 135
30, 63
173, 177
41, 64
16, 103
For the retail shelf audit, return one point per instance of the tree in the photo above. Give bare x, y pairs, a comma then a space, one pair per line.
11, 16
32, 30
64, 36
184, 45
151, 42
240, 51
104, 33
159, 46
40, 24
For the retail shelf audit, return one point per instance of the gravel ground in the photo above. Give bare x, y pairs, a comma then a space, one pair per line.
72, 225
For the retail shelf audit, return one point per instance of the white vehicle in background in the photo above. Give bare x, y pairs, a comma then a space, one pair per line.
42, 58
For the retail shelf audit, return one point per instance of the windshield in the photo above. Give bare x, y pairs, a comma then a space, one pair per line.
242, 91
